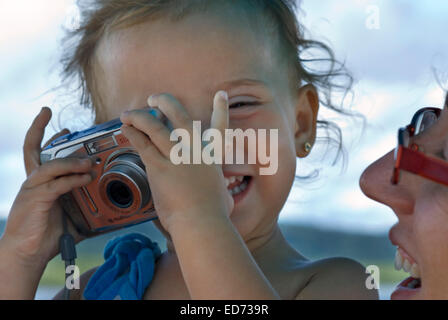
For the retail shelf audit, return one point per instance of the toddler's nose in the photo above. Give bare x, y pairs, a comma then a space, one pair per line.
375, 183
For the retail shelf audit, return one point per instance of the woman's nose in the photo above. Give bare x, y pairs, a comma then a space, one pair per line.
375, 183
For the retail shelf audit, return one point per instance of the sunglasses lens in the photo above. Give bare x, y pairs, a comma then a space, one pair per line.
406, 138
426, 120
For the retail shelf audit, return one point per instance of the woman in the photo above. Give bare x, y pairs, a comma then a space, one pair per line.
418, 195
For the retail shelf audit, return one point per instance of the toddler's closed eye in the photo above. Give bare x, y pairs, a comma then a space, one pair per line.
243, 104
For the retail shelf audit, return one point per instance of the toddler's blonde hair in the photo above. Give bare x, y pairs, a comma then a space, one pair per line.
279, 16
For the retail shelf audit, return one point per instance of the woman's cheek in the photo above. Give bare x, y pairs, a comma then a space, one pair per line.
431, 240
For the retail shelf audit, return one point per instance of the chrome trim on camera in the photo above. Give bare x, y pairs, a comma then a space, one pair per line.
57, 151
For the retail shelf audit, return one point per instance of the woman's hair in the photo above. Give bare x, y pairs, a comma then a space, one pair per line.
310, 61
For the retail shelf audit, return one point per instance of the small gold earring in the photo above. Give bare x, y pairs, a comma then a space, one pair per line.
307, 147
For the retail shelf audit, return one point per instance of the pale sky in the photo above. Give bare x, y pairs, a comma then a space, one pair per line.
392, 66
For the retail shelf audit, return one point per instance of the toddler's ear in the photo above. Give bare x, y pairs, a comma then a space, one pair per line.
306, 109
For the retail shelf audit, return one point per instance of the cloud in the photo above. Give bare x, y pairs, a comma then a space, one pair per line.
28, 56
12, 174
24, 21
410, 38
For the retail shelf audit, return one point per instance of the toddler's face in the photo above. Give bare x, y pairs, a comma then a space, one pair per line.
193, 59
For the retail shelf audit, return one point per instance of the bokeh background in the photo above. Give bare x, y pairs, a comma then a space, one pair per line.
395, 49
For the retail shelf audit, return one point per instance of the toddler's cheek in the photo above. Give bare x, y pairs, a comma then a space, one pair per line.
277, 187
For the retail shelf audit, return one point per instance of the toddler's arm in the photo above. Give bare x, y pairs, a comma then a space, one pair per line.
213, 255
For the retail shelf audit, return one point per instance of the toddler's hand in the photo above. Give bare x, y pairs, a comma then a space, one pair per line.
34, 222
185, 191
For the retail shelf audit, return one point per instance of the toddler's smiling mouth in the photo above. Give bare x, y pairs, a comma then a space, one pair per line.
237, 185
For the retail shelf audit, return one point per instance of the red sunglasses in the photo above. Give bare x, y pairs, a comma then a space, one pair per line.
410, 159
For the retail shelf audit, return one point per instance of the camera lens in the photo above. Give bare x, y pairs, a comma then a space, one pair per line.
124, 184
120, 194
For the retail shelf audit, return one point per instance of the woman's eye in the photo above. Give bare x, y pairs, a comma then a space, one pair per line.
242, 104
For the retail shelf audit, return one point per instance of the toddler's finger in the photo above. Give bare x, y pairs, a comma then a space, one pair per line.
150, 128
172, 109
33, 140
231, 204
220, 114
56, 168
142, 143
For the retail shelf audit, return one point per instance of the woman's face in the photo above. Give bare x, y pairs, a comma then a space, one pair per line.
421, 206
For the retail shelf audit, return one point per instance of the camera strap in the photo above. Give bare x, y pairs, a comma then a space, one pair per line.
67, 248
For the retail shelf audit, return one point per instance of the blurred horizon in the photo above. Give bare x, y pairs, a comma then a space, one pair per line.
396, 67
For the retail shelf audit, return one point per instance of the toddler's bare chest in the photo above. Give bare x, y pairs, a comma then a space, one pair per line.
168, 283
163, 288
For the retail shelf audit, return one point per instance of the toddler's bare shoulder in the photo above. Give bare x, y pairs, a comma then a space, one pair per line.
336, 278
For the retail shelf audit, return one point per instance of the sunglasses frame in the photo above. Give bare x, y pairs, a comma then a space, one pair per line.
412, 160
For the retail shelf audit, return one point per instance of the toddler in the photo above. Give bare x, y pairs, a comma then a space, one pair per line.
228, 64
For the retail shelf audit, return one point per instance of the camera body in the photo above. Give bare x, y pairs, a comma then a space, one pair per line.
119, 194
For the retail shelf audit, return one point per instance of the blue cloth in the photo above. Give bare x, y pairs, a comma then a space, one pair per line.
127, 271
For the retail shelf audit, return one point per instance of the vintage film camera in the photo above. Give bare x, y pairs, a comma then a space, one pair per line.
119, 195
